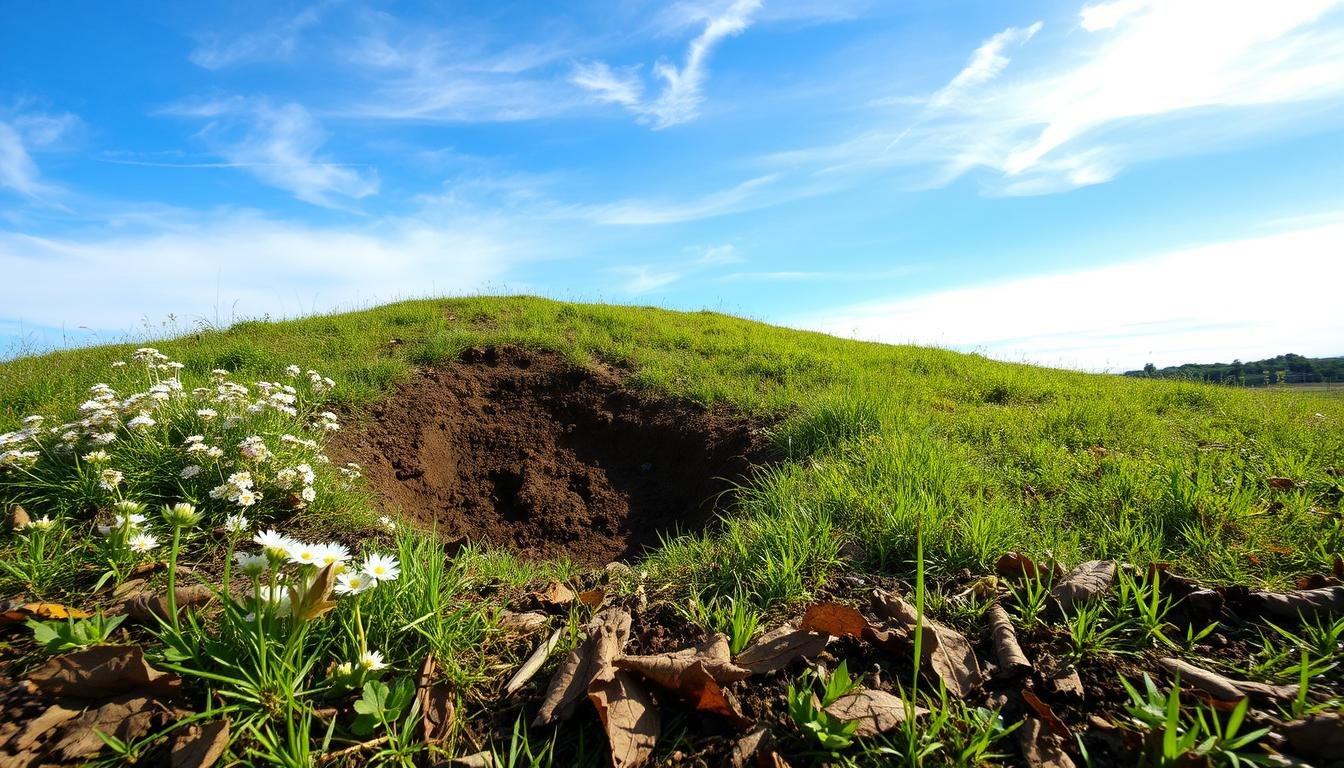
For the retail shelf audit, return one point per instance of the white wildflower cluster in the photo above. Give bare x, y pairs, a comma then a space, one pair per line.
298, 480
17, 458
254, 449
238, 488
196, 447
279, 549
128, 529
236, 445
318, 383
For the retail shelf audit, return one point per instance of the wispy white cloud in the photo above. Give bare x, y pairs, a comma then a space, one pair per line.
453, 75
278, 144
609, 86
276, 40
696, 259
1042, 110
715, 255
257, 264
682, 90
642, 278
18, 172
985, 64
22, 133
635, 211
1171, 308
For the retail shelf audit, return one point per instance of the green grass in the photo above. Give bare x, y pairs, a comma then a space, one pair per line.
994, 456
892, 460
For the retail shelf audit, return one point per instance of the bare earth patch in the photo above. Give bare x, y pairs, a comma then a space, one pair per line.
527, 451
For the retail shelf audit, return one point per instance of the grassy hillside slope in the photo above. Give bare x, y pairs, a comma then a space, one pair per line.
986, 456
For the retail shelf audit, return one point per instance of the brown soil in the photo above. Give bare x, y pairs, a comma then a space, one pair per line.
527, 451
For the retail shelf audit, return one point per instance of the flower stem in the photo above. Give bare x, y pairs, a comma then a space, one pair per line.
172, 577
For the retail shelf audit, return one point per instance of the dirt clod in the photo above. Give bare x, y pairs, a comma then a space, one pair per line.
528, 451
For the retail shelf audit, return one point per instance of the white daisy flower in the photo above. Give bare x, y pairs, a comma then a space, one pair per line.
332, 553
236, 523
352, 583
142, 542
381, 567
275, 545
372, 661
251, 565
97, 457
303, 553
247, 498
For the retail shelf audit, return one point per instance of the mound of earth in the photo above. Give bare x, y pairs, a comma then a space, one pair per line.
528, 451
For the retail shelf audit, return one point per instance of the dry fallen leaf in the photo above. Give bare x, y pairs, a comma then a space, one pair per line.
694, 674
533, 663
666, 669
1015, 565
39, 728
841, 620
523, 623
593, 598
747, 747
17, 518
1086, 581
475, 760
1319, 737
1225, 688
145, 607
1040, 748
779, 648
554, 595
629, 717
126, 717
201, 746
1302, 602
1282, 483
437, 706
47, 611
1047, 715
102, 671
1064, 681
607, 634
944, 649
1012, 661
876, 712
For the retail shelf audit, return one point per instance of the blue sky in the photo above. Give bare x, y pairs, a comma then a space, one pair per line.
1093, 185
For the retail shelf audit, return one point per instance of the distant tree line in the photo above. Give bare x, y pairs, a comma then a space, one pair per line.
1284, 369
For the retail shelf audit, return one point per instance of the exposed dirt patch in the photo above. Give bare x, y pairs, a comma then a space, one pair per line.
527, 451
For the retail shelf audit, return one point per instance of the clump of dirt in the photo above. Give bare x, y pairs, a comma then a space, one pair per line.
528, 451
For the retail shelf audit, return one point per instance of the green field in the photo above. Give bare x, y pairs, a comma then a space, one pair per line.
886, 453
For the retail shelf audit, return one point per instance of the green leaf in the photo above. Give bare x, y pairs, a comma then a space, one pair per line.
43, 632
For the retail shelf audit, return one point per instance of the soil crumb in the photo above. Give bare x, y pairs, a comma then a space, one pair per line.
527, 451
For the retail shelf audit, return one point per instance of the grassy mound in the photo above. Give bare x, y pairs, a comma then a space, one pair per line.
886, 461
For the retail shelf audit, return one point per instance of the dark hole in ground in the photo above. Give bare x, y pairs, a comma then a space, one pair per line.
527, 451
